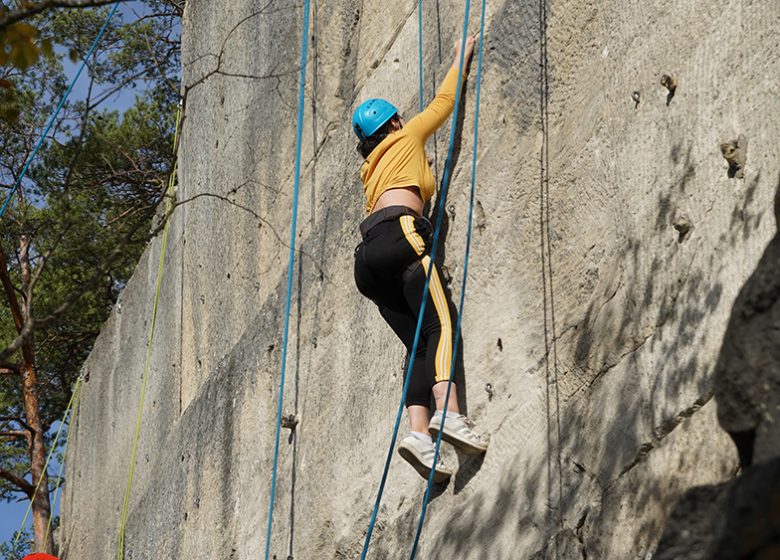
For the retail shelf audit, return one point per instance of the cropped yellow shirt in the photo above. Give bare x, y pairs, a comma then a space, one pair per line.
399, 160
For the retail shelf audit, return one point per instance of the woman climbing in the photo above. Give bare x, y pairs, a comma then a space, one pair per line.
392, 262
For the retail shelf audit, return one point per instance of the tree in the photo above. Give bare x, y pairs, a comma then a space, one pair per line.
81, 217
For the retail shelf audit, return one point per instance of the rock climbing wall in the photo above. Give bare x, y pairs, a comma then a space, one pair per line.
611, 240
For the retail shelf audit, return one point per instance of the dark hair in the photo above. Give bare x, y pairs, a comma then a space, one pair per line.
365, 147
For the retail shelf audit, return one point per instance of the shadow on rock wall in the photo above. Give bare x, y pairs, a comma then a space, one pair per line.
592, 445
747, 376
738, 520
741, 518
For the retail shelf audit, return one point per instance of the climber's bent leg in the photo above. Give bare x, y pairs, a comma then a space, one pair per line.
388, 267
437, 325
400, 318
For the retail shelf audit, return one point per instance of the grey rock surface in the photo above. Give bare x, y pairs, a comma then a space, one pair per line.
736, 520
747, 375
597, 324
740, 519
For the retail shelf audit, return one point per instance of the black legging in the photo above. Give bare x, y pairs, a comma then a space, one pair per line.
390, 268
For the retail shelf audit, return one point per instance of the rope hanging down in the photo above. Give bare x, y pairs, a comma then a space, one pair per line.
73, 398
75, 404
437, 230
291, 262
57, 111
17, 183
120, 549
463, 283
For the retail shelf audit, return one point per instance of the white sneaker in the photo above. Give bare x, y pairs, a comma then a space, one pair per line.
420, 454
459, 431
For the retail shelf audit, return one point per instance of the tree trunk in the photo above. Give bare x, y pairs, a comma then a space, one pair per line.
41, 507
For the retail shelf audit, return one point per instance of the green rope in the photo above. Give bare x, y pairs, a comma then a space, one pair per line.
160, 270
77, 392
46, 466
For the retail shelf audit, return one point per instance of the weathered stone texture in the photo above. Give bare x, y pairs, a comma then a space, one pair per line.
747, 375
595, 318
739, 519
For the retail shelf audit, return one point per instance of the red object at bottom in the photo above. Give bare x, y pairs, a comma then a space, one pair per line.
39, 556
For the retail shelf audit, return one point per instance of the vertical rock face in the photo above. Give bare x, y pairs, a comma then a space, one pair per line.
610, 245
747, 376
741, 518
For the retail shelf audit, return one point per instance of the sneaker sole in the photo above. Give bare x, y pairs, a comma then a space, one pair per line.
416, 461
461, 445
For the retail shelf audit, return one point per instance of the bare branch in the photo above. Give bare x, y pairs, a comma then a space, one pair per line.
29, 9
10, 294
19, 482
16, 434
19, 341
177, 5
103, 95
153, 54
9, 369
233, 203
127, 213
21, 421
47, 255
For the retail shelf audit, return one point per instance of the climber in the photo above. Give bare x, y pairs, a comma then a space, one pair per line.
392, 261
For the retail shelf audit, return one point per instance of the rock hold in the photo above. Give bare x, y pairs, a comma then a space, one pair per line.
735, 153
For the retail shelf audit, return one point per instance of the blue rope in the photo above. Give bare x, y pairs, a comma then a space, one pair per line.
463, 288
437, 230
59, 108
293, 225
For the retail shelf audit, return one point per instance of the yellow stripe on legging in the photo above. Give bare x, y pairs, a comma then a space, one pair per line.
444, 350
414, 239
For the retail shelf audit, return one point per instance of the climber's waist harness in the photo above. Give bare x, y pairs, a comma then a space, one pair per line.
386, 215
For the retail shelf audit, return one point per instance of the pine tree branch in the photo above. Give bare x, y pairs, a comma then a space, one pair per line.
18, 481
16, 434
30, 9
21, 421
10, 294
101, 270
9, 369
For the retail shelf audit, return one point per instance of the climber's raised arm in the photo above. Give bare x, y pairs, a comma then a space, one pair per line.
433, 116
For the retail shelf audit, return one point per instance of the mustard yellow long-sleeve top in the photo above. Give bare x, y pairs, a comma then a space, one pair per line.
399, 160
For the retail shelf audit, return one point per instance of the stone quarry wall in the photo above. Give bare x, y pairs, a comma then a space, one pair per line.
610, 245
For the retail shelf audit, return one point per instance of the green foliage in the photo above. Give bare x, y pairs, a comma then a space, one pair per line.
88, 200
23, 43
21, 46
7, 551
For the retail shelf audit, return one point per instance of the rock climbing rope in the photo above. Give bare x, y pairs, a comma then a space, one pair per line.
6, 203
65, 96
437, 230
463, 282
120, 548
291, 261
71, 404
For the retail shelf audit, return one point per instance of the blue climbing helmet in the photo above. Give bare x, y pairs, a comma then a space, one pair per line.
370, 116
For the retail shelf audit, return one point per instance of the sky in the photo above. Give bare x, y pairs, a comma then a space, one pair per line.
11, 514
